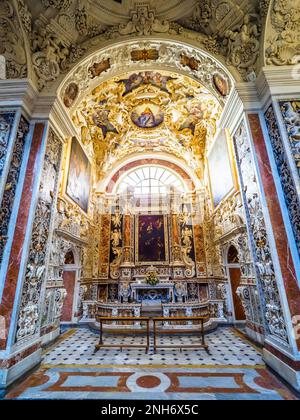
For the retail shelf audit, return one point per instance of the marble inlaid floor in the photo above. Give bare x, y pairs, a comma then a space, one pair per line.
226, 348
233, 370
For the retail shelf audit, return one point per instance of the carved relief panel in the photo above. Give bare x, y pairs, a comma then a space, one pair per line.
270, 298
12, 180
29, 312
291, 114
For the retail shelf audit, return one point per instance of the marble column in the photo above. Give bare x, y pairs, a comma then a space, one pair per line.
289, 285
128, 254
268, 161
16, 257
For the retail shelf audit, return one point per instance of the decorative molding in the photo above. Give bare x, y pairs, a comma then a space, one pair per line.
170, 56
18, 92
70, 237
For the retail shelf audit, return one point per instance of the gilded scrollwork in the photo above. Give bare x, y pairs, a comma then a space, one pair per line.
113, 118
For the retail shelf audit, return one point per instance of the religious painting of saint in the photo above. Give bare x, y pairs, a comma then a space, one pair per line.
147, 116
71, 94
151, 240
221, 85
79, 177
101, 120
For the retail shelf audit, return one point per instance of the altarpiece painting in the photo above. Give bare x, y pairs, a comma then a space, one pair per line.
152, 240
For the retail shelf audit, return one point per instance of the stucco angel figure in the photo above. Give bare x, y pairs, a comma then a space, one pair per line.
116, 238
186, 237
117, 220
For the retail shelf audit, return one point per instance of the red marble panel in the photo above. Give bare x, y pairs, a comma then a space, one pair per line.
69, 284
294, 364
8, 363
11, 279
280, 235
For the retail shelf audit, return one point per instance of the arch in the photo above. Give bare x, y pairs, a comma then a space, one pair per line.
232, 255
71, 276
114, 179
234, 274
116, 58
70, 258
151, 178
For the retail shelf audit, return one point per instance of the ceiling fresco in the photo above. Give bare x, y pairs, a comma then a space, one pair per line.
148, 112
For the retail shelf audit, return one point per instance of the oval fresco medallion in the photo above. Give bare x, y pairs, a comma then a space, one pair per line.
221, 85
71, 94
147, 116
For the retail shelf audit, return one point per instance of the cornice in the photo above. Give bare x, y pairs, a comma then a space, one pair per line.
52, 108
70, 237
249, 96
18, 93
278, 81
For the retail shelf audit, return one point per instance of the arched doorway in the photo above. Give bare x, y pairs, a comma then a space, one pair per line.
234, 275
70, 285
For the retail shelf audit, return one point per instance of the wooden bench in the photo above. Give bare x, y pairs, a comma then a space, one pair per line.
201, 345
102, 321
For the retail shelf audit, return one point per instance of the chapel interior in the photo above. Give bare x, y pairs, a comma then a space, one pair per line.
149, 168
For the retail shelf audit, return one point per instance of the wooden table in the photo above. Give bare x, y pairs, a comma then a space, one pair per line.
201, 345
102, 320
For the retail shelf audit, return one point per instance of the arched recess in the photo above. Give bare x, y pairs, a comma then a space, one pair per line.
71, 277
114, 178
233, 270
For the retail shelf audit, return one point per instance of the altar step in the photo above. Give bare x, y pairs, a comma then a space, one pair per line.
152, 311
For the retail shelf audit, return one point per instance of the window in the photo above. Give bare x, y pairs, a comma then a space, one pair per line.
151, 180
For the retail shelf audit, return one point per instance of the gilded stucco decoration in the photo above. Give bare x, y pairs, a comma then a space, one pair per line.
143, 111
